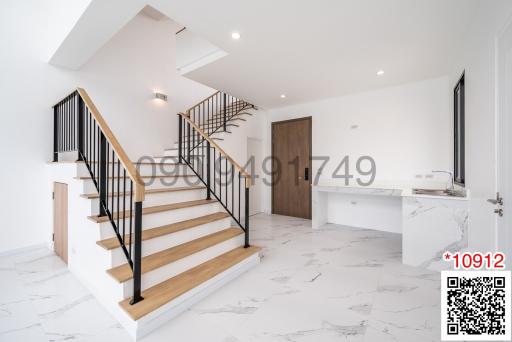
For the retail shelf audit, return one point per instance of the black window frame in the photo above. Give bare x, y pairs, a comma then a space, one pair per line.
459, 134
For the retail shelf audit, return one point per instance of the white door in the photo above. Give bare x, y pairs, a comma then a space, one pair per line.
504, 131
254, 153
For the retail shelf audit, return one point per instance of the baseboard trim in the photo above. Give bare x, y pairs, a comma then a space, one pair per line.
16, 251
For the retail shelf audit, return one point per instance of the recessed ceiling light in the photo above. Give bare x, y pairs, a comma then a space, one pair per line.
380, 72
283, 96
235, 35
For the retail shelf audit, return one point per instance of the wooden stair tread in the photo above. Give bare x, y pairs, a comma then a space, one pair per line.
148, 191
124, 272
154, 209
151, 233
172, 288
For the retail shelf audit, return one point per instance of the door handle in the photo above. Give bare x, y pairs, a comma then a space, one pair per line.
306, 173
498, 200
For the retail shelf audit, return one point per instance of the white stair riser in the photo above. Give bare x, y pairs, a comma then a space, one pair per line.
166, 169
155, 199
151, 183
215, 137
160, 243
162, 218
160, 274
198, 156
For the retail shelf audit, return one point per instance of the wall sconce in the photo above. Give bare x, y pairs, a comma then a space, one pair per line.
161, 96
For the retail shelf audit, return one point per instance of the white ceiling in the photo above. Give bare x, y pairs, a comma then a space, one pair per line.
316, 49
306, 49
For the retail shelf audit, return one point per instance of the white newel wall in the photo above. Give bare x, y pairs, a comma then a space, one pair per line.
120, 78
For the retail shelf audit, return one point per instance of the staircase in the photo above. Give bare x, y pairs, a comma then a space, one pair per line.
220, 112
160, 235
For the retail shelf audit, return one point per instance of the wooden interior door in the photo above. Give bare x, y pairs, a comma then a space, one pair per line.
60, 220
291, 180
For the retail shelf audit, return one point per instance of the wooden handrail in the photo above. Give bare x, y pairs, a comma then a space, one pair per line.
209, 97
131, 170
240, 169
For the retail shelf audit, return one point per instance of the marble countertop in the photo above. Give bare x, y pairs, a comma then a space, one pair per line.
408, 193
360, 190
383, 189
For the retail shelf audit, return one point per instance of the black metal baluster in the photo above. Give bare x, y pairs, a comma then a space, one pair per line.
65, 117
239, 196
67, 125
193, 140
214, 171
208, 186
55, 134
246, 213
124, 202
90, 157
80, 129
225, 112
131, 219
137, 255
220, 176
112, 180
103, 174
180, 139
118, 192
188, 141
68, 116
73, 123
232, 188
95, 165
226, 179
106, 177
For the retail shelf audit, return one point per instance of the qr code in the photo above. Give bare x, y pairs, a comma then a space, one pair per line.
475, 305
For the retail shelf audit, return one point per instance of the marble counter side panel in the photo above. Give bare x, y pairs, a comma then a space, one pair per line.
432, 226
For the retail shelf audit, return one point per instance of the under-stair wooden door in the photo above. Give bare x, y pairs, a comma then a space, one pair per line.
60, 220
291, 181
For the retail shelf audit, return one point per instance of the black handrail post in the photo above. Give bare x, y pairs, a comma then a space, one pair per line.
180, 140
103, 174
246, 213
225, 104
55, 134
208, 191
80, 128
137, 255
188, 143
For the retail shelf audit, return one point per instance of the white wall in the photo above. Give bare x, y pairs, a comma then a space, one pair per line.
407, 130
477, 58
120, 79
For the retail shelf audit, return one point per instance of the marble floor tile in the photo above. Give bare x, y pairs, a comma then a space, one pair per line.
333, 284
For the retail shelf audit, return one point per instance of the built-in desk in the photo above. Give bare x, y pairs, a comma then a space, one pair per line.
430, 225
372, 207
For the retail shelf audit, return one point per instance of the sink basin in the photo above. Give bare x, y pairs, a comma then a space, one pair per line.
440, 192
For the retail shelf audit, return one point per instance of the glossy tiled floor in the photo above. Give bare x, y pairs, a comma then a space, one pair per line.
335, 284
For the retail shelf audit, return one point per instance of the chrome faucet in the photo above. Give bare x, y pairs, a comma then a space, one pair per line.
451, 176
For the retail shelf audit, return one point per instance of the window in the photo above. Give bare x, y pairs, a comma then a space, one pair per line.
459, 146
